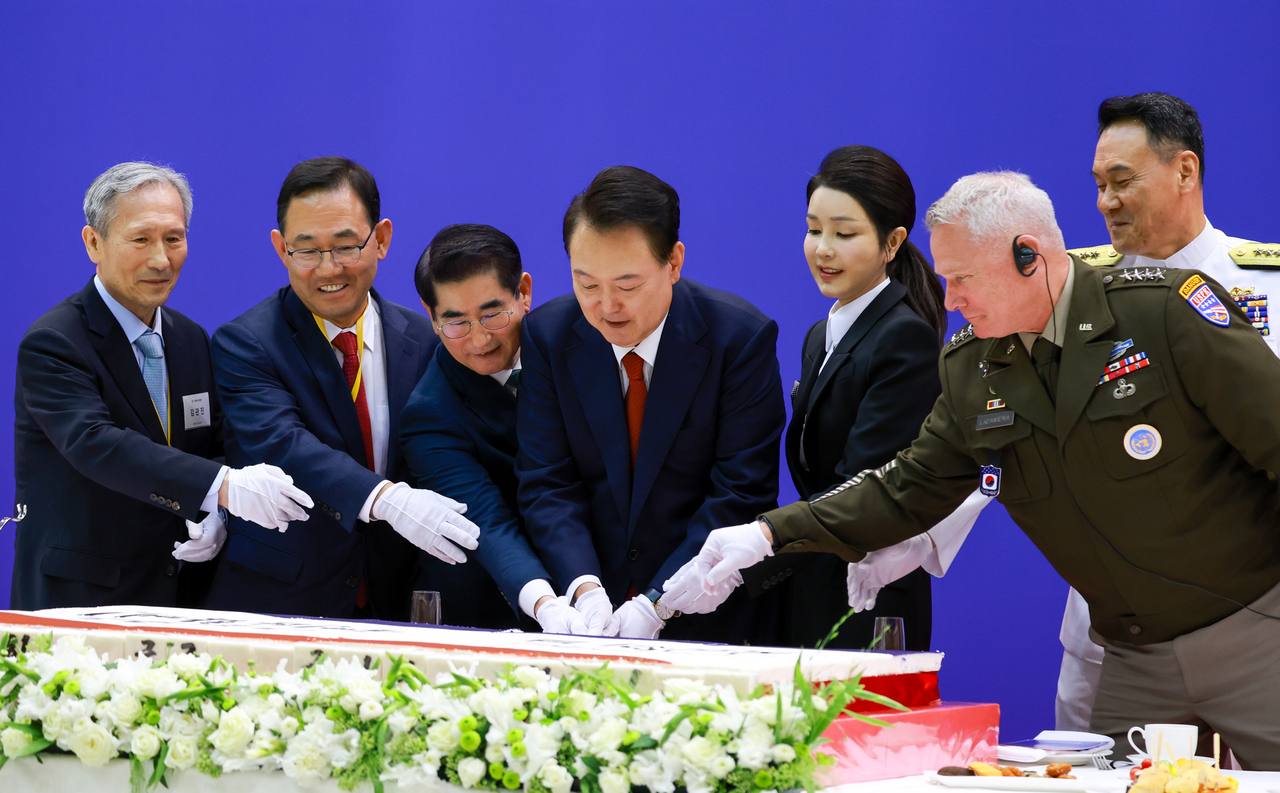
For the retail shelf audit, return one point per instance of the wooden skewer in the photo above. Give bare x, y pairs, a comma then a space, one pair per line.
1159, 748
1217, 751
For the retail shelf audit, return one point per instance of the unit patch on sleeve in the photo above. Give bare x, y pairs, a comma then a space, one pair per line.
1201, 297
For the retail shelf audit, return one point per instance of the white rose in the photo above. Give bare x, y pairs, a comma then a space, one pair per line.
783, 753
370, 710
819, 703
443, 736
614, 781
53, 726
493, 753
608, 736
13, 741
158, 683
93, 745
210, 712
233, 734
182, 753
684, 691
528, 676
470, 771
188, 665
699, 752
124, 708
721, 766
146, 742
555, 777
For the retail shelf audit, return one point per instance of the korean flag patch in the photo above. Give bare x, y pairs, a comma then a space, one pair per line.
990, 481
1202, 299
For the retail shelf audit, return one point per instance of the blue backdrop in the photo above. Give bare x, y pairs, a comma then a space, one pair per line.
500, 113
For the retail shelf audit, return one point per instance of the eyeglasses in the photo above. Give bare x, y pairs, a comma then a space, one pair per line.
461, 327
345, 255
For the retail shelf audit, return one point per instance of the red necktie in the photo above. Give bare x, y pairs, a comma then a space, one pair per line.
637, 393
346, 342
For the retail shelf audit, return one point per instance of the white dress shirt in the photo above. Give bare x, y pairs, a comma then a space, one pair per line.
505, 375
133, 328
839, 320
648, 352
373, 375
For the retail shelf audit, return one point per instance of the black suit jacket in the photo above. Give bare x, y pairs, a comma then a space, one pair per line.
459, 437
855, 413
288, 404
105, 495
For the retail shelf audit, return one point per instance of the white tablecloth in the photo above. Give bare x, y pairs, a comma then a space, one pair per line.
1101, 781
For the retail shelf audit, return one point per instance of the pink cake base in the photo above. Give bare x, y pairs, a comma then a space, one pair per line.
922, 739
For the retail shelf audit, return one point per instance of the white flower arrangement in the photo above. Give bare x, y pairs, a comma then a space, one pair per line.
588, 731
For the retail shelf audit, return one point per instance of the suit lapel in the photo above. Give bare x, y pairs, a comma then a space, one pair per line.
116, 352
865, 321
595, 374
815, 343
1084, 354
677, 372
491, 403
401, 354
319, 355
1013, 378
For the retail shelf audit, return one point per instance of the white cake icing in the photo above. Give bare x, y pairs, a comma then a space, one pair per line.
242, 639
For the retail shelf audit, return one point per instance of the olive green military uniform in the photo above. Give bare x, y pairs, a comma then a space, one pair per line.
1152, 455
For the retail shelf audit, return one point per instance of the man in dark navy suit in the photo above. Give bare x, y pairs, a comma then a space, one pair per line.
459, 429
650, 412
118, 428
313, 380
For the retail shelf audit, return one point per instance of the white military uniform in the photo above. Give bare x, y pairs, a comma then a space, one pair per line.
1238, 265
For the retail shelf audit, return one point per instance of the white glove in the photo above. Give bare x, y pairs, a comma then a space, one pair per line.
207, 538
428, 520
557, 616
636, 619
596, 611
265, 495
731, 549
885, 566
684, 590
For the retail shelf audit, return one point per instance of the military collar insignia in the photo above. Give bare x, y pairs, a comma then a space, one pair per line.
1143, 274
961, 336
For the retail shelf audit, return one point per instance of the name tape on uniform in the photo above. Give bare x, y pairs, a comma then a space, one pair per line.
1004, 418
195, 411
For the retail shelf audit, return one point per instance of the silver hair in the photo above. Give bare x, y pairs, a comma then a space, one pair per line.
100, 198
995, 205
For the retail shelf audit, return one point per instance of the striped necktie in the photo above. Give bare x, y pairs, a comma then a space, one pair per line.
152, 347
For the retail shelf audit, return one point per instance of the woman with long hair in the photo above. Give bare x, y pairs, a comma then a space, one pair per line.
869, 377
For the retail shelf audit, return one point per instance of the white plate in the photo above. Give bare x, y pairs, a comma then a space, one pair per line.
1035, 783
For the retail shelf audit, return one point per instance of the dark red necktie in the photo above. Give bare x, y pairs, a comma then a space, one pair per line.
347, 343
637, 393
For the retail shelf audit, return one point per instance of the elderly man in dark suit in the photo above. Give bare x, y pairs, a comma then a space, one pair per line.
313, 379
118, 427
650, 412
459, 429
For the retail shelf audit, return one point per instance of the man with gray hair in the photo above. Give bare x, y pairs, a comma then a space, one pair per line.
118, 430
1125, 418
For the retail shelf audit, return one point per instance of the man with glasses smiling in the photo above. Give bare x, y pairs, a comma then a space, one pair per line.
313, 380
459, 429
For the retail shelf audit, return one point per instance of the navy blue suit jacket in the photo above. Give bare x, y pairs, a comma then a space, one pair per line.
855, 413
288, 404
708, 454
105, 494
459, 438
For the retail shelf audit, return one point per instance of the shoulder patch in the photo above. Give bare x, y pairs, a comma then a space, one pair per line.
1099, 256
1256, 256
960, 337
1196, 291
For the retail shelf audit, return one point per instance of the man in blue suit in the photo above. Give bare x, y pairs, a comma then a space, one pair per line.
313, 380
650, 411
459, 429
118, 431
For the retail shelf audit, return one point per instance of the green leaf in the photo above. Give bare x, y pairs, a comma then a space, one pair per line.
643, 742
157, 775
137, 777
29, 729
38, 745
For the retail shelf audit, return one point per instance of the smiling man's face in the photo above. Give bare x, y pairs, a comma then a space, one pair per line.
623, 290
325, 219
1140, 193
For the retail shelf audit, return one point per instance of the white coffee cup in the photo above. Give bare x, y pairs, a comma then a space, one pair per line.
1174, 742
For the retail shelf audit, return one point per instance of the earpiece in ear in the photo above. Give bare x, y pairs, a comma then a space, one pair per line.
1023, 257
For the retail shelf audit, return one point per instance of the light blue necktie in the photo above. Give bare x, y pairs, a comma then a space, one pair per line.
152, 347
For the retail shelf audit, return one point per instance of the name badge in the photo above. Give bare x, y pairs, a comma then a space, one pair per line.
195, 411
989, 421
